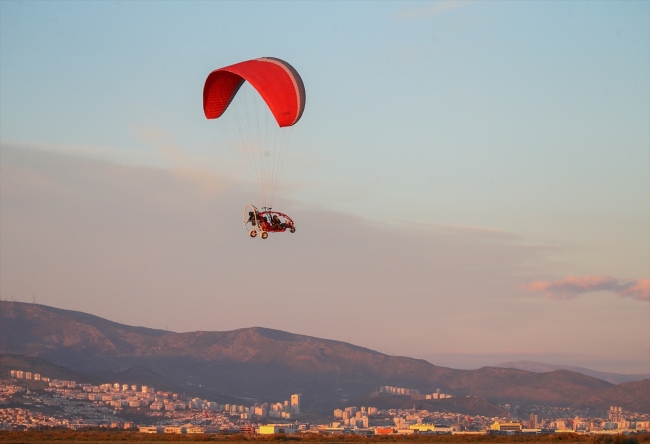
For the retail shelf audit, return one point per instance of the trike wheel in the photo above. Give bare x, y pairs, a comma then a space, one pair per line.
264, 235
252, 233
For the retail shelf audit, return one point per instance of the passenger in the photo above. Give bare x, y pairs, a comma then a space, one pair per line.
275, 222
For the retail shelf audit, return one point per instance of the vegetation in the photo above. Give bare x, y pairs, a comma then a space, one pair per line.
616, 439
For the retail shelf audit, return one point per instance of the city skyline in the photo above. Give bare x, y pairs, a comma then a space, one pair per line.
172, 413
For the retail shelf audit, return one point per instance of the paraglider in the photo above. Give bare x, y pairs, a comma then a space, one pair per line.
259, 132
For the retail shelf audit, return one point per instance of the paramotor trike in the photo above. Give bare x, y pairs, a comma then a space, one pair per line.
266, 222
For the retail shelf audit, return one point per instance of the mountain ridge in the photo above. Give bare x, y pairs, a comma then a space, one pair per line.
269, 364
541, 367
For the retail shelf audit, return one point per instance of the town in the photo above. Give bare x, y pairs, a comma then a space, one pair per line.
75, 405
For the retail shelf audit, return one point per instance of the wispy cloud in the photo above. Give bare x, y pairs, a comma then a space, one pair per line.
572, 286
432, 9
111, 154
183, 166
639, 289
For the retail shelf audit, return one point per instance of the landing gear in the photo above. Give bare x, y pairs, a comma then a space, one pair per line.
292, 229
252, 233
264, 235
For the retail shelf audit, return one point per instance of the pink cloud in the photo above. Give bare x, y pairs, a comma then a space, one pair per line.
571, 286
638, 289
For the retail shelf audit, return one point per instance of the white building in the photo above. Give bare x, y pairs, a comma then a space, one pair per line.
295, 403
148, 429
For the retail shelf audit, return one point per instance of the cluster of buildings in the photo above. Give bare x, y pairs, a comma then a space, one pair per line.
120, 396
285, 410
8, 391
388, 389
615, 423
23, 419
33, 409
396, 421
370, 420
117, 396
19, 374
398, 390
86, 405
353, 417
437, 395
572, 425
617, 420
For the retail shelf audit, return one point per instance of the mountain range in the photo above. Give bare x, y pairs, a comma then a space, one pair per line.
266, 364
540, 367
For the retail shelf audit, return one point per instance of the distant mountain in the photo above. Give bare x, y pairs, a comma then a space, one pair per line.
540, 367
269, 365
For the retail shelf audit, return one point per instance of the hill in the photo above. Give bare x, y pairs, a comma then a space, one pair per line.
633, 395
540, 367
269, 365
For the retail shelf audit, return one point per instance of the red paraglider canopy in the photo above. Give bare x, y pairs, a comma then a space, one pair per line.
277, 82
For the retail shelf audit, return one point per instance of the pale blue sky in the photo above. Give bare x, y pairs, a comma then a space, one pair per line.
529, 119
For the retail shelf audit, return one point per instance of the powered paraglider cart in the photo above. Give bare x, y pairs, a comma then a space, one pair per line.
266, 221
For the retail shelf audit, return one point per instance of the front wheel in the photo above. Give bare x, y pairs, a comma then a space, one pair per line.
264, 235
292, 229
252, 233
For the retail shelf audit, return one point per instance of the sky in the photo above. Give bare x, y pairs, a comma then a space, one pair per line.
470, 181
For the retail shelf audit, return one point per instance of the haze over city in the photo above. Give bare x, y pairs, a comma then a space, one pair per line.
470, 181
